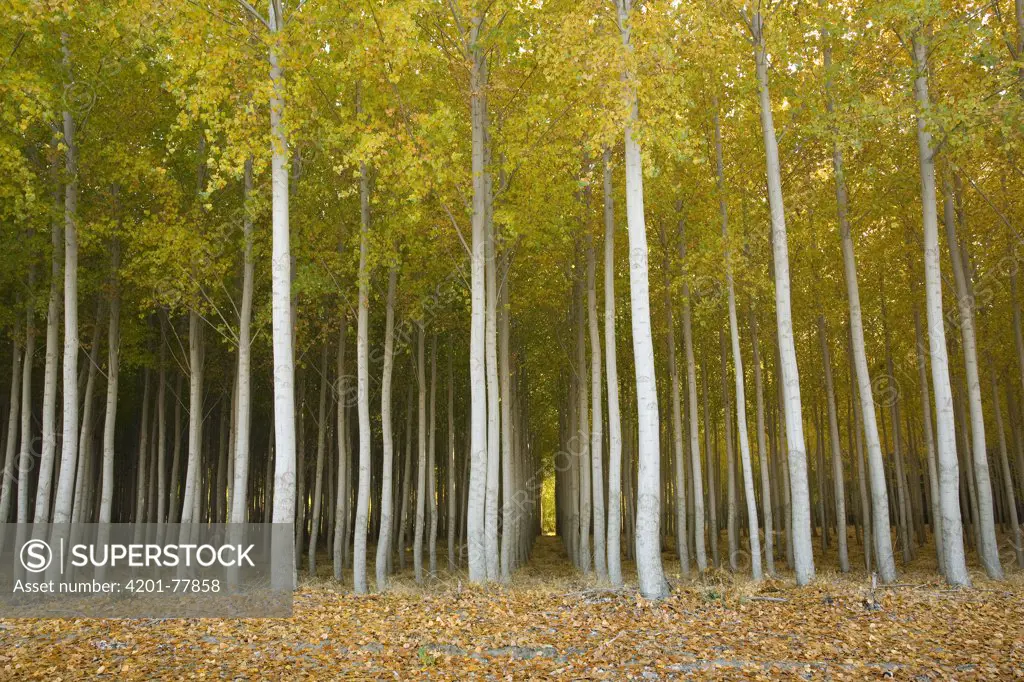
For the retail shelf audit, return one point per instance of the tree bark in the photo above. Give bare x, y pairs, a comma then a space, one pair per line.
650, 573
952, 530
803, 558
611, 369
597, 419
321, 444
243, 410
421, 463
386, 496
477, 489
989, 550
839, 485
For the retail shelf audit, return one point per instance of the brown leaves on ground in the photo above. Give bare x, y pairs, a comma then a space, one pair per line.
559, 627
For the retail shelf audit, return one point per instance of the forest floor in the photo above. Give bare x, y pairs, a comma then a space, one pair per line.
552, 623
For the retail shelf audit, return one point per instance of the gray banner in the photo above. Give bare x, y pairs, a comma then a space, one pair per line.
122, 570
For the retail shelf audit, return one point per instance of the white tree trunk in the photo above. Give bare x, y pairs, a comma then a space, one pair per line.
386, 495
803, 558
69, 390
281, 304
762, 451
929, 441
243, 410
341, 505
945, 440
611, 369
650, 573
839, 486
452, 511
737, 361
475, 529
678, 453
46, 458
597, 418
510, 514
989, 550
363, 388
583, 436
110, 417
193, 470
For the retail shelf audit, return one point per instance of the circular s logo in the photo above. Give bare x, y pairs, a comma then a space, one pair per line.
36, 556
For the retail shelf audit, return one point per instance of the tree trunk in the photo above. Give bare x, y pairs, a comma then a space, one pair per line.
239, 488
510, 514
69, 442
989, 550
431, 460
839, 485
49, 444
450, 521
341, 503
583, 435
611, 368
803, 558
386, 496
321, 444
110, 417
650, 573
477, 490
679, 470
762, 450
193, 472
1011, 504
281, 305
421, 462
597, 419
952, 531
6, 484
737, 361
929, 441
363, 387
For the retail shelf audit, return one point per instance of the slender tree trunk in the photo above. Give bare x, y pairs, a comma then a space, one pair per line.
737, 360
839, 485
69, 442
1011, 504
583, 435
952, 531
510, 513
989, 550
650, 573
239, 495
762, 450
450, 521
611, 369
341, 503
678, 453
174, 499
10, 445
110, 418
403, 523
193, 466
431, 460
803, 557
363, 388
141, 460
477, 490
421, 463
281, 303
597, 418
929, 440
48, 452
321, 444
386, 496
